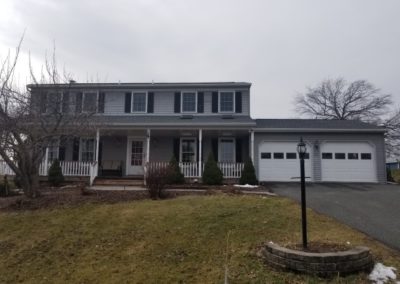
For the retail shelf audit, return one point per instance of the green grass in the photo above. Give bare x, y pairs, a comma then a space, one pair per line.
176, 240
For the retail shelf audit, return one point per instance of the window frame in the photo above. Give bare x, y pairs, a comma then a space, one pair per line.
233, 98
80, 148
233, 139
366, 153
196, 100
83, 101
181, 152
146, 100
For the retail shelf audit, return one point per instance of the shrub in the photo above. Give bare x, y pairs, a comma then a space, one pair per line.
156, 179
175, 175
248, 173
56, 177
396, 175
212, 174
389, 175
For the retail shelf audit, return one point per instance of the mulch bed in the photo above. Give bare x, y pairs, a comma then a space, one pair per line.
319, 247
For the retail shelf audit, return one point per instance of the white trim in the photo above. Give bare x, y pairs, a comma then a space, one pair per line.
97, 101
146, 100
180, 148
234, 148
196, 101
315, 130
233, 97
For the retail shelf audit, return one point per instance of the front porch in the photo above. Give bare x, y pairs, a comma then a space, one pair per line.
125, 153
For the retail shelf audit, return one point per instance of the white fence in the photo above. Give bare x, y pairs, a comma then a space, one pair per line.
191, 170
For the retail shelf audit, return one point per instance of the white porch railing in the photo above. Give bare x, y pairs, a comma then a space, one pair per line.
191, 170
69, 168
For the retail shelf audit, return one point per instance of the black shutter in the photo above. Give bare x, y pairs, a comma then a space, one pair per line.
239, 157
43, 102
214, 102
200, 102
176, 148
65, 102
100, 152
177, 102
238, 102
61, 153
128, 102
102, 97
214, 147
150, 102
75, 150
78, 102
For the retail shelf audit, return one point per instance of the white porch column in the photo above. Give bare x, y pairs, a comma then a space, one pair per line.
252, 145
46, 161
148, 145
200, 170
97, 145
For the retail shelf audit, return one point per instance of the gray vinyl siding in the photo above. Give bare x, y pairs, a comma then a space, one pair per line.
161, 149
164, 102
317, 138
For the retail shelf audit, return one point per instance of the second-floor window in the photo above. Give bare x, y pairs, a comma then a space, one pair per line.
139, 102
226, 102
189, 102
89, 103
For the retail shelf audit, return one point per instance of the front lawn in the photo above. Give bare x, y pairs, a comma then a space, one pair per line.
175, 240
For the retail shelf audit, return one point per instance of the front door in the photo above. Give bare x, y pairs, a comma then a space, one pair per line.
136, 156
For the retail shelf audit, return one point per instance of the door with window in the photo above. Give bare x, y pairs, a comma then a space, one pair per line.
136, 156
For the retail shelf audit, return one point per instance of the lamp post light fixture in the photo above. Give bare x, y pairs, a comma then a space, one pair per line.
302, 150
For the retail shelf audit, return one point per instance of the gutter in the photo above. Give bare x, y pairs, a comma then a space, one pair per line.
311, 130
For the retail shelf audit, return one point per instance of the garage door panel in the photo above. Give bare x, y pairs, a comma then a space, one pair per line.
280, 169
348, 170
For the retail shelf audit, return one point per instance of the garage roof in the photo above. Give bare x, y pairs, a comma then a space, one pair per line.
315, 125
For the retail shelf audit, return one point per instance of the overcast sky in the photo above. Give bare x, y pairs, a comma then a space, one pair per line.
279, 46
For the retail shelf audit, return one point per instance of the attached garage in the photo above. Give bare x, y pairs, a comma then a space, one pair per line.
279, 161
348, 162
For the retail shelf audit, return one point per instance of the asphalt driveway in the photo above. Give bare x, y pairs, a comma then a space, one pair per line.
371, 208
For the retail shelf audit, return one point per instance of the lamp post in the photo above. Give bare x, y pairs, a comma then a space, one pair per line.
302, 150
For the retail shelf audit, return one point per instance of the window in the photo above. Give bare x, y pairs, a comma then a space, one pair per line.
139, 102
352, 156
53, 150
278, 155
89, 103
53, 102
188, 150
137, 153
226, 150
340, 156
291, 156
265, 155
366, 156
189, 102
306, 156
226, 101
327, 156
87, 150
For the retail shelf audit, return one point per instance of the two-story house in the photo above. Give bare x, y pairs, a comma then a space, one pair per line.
141, 123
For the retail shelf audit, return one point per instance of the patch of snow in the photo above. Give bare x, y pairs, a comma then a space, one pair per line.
245, 185
381, 273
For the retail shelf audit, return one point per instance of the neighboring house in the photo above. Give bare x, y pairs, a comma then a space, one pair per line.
393, 165
143, 123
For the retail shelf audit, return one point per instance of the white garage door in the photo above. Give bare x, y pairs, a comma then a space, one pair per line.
279, 161
348, 161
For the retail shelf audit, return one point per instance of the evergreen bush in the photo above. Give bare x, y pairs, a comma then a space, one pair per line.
212, 175
175, 175
248, 173
55, 176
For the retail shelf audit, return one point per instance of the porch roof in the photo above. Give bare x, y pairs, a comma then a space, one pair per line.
185, 121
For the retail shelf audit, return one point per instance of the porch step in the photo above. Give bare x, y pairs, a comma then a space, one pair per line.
118, 181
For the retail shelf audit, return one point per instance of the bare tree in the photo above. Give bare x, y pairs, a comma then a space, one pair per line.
31, 118
337, 99
392, 125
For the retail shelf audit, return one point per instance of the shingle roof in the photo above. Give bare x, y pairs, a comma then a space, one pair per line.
149, 85
315, 124
176, 121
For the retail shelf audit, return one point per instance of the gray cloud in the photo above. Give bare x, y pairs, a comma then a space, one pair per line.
279, 46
